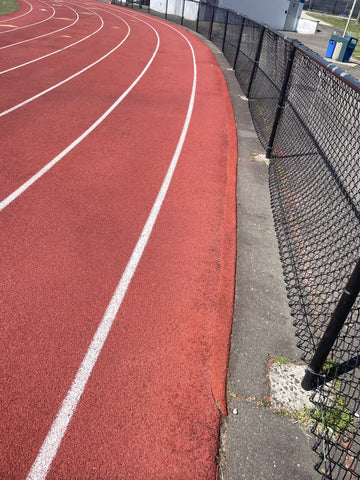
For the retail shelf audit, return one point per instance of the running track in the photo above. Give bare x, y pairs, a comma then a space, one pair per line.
118, 157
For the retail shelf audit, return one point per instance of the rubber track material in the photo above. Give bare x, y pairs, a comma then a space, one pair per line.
150, 408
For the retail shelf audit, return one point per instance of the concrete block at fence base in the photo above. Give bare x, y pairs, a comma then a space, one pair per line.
307, 26
285, 387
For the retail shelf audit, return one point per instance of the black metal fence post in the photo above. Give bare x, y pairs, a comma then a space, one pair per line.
166, 9
182, 12
256, 62
198, 17
239, 42
211, 22
225, 30
336, 323
281, 102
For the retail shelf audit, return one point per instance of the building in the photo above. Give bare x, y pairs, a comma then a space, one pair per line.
277, 14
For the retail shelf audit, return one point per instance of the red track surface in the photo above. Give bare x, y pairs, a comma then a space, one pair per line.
147, 410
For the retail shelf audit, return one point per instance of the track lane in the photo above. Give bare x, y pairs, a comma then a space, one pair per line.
79, 241
24, 9
21, 58
46, 273
149, 426
13, 94
18, 163
22, 41
54, 437
44, 15
18, 89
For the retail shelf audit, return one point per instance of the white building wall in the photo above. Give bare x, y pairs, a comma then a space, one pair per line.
270, 12
158, 5
191, 10
176, 7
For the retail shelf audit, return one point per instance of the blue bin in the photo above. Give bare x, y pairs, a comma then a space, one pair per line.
330, 49
350, 48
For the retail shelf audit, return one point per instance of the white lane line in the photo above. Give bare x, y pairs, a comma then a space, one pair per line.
32, 24
22, 15
4, 203
38, 95
58, 429
56, 51
46, 34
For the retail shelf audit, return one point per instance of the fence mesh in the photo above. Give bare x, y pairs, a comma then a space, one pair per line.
270, 75
315, 198
219, 27
336, 7
233, 33
307, 117
250, 40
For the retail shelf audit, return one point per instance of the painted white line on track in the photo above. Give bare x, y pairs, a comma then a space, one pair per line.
58, 429
38, 95
22, 15
46, 34
57, 51
32, 24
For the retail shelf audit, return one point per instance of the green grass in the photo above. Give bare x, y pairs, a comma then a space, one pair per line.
336, 418
329, 368
8, 6
340, 23
281, 360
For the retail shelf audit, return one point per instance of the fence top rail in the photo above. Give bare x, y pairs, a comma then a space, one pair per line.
329, 66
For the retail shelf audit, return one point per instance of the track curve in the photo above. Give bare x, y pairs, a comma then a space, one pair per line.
108, 213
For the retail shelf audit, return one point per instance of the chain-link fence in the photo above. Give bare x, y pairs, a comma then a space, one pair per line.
335, 7
306, 115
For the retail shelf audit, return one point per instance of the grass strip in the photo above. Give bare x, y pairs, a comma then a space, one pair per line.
8, 6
